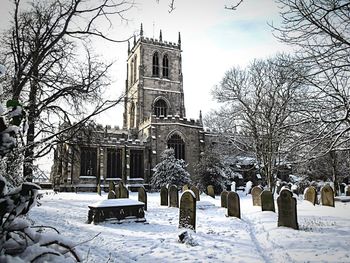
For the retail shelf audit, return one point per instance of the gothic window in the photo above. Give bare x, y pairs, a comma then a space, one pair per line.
114, 163
88, 161
155, 68
136, 164
132, 115
176, 142
160, 108
165, 66
132, 72
135, 68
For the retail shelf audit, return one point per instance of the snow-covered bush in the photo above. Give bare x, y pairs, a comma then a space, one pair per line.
170, 171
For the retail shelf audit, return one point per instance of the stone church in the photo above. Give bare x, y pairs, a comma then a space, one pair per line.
154, 119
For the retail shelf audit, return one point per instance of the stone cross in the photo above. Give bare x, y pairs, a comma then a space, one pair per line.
195, 190
142, 196
111, 195
287, 209
327, 195
233, 205
163, 195
187, 214
267, 202
310, 194
224, 198
210, 190
256, 191
173, 196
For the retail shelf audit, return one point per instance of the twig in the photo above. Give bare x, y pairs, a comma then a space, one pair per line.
234, 7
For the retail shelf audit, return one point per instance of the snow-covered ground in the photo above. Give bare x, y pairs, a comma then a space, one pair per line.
324, 234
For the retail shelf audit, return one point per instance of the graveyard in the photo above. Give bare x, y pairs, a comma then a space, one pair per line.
220, 235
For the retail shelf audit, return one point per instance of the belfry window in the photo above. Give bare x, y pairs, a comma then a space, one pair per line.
155, 68
132, 115
160, 108
135, 68
176, 142
165, 66
132, 72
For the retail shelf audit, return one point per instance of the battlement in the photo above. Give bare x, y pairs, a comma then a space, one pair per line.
170, 119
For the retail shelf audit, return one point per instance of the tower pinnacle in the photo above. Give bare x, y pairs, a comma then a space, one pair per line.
179, 40
160, 36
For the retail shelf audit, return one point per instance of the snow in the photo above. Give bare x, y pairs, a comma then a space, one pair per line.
324, 234
116, 202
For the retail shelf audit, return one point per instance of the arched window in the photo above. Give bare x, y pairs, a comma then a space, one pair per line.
176, 142
132, 72
165, 66
160, 108
155, 68
135, 68
132, 115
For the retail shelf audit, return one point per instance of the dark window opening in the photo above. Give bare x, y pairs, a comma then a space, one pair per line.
114, 163
160, 108
131, 72
165, 67
132, 115
88, 162
178, 145
135, 68
155, 68
136, 164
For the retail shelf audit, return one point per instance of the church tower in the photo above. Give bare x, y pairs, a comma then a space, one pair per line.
154, 83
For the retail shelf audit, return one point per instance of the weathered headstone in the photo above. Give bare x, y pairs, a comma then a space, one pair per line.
124, 192
347, 192
187, 214
195, 190
117, 191
310, 194
233, 205
184, 188
99, 189
256, 191
287, 209
173, 196
111, 195
267, 202
327, 195
210, 190
142, 196
111, 186
224, 198
163, 195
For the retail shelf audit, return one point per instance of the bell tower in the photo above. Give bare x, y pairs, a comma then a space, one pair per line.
154, 84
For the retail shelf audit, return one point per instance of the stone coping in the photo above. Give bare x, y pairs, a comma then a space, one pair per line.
115, 203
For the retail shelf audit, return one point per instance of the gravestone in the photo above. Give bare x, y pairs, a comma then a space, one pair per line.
224, 198
111, 186
117, 191
267, 202
233, 186
287, 209
163, 195
173, 196
99, 189
184, 188
327, 195
111, 195
195, 190
310, 194
142, 196
211, 191
256, 192
123, 191
347, 192
233, 205
187, 214
342, 187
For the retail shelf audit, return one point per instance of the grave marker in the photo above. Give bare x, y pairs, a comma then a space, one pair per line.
256, 192
111, 195
184, 188
327, 195
310, 194
267, 202
195, 190
163, 195
173, 196
187, 214
224, 198
233, 205
211, 191
287, 209
142, 196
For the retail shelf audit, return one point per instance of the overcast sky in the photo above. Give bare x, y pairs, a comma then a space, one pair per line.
213, 40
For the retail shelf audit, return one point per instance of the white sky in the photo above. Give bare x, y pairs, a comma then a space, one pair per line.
213, 40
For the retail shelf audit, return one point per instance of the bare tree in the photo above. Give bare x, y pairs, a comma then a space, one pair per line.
47, 73
263, 100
